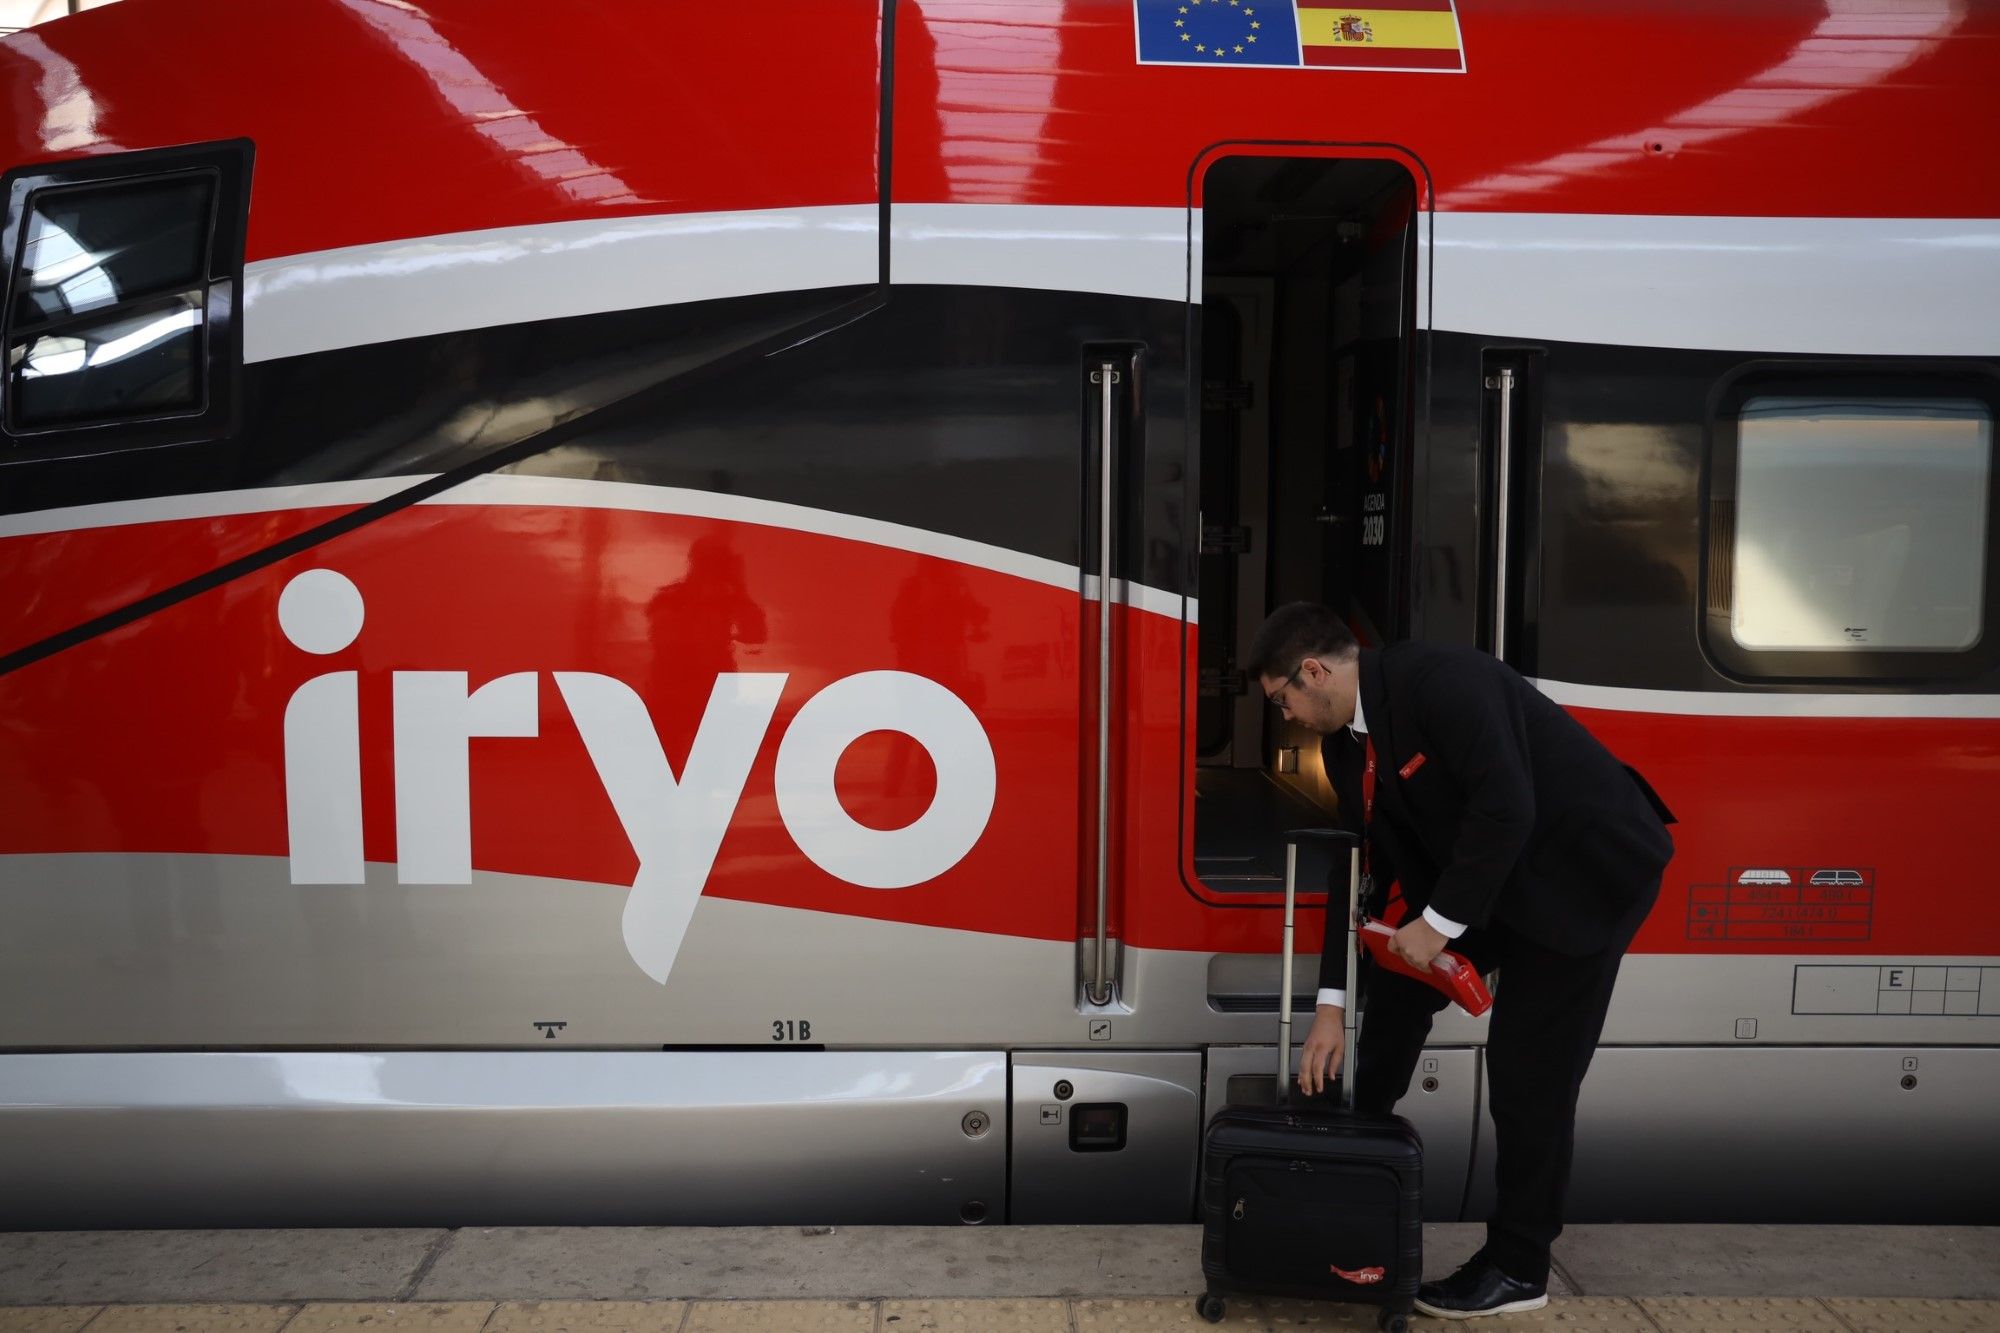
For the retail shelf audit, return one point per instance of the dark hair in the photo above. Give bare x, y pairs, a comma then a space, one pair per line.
1294, 632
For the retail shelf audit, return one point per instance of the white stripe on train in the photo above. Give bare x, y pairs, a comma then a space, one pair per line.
1908, 286
1700, 703
581, 493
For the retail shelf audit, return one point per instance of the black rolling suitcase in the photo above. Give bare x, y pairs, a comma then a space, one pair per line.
1322, 1204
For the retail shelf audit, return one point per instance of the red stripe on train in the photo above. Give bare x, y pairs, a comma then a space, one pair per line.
168, 735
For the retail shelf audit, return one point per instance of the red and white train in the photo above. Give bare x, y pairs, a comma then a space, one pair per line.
634, 613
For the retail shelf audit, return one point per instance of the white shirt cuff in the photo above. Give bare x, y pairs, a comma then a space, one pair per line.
1446, 927
1336, 998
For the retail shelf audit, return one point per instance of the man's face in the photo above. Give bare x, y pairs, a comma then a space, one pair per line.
1307, 697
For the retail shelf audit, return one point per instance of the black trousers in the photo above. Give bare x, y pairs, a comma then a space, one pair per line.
1548, 1011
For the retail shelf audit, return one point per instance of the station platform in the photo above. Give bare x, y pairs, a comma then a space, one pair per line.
1064, 1279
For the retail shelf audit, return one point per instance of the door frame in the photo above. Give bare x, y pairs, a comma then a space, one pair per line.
1417, 415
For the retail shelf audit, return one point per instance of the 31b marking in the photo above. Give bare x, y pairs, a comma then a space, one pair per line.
791, 1029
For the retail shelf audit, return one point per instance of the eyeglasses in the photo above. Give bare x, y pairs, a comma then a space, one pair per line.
1277, 700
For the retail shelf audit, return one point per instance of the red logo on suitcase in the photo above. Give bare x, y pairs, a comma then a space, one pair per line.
1361, 1277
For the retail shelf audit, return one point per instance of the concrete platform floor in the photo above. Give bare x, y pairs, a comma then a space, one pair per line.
1648, 1279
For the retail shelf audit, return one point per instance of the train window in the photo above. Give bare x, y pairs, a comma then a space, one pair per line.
108, 303
1851, 529
1860, 523
120, 315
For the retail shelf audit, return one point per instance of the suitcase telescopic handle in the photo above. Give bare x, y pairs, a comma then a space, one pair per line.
1293, 839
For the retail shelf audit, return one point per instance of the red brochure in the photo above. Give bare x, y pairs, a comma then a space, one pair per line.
1450, 973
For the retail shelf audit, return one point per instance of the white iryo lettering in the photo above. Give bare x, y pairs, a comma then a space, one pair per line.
323, 780
675, 825
436, 720
321, 612
929, 714
675, 822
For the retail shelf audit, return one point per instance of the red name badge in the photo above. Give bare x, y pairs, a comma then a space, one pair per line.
1409, 770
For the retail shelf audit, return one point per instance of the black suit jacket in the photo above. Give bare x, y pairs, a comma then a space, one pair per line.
1493, 804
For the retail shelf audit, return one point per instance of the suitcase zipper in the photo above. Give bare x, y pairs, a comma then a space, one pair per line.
1238, 1213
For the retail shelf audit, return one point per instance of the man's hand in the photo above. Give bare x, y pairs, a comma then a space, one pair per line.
1324, 1047
1417, 943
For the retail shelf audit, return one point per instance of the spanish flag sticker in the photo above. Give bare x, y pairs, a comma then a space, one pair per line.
1301, 34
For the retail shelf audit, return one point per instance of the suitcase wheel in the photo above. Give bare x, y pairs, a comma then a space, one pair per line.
1211, 1307
1392, 1321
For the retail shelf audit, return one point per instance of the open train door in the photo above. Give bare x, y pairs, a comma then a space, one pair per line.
1309, 315
1310, 311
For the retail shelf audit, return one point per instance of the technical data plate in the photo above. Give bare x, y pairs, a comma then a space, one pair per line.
376, 1317
781, 1317
204, 1318
1800, 903
587, 1317
1882, 1315
942, 1316
1710, 1314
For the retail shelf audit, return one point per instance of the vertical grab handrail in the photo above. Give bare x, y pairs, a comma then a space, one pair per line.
1099, 988
1349, 914
1502, 494
1285, 976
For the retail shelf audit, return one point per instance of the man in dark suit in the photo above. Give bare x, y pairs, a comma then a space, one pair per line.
1518, 840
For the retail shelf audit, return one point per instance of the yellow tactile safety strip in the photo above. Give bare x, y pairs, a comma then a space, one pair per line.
781, 1317
1569, 1314
1916, 1316
406, 1317
943, 1316
46, 1318
587, 1317
1712, 1314
193, 1318
1145, 1316
1280, 1313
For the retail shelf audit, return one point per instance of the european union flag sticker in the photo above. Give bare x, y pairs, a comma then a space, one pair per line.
1218, 32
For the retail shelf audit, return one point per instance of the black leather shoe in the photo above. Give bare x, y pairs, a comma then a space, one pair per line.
1479, 1288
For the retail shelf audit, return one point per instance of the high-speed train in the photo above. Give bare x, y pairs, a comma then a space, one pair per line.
635, 611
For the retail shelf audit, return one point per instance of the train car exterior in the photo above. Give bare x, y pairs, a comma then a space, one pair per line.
634, 617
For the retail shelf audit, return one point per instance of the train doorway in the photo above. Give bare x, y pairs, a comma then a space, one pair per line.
1306, 325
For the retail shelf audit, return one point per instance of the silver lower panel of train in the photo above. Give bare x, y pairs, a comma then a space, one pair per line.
1777, 1134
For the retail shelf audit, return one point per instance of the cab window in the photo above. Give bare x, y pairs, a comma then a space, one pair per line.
123, 275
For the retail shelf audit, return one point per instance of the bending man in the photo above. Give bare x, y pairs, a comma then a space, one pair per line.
1518, 839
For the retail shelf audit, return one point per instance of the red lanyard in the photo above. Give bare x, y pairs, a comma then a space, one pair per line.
1367, 803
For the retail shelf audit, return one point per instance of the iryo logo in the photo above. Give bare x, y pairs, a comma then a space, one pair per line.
675, 822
